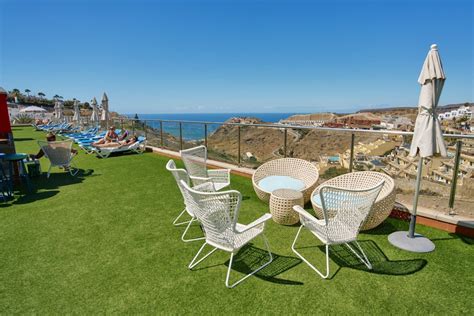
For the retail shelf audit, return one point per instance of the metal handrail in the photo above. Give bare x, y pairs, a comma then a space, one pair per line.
319, 128
285, 127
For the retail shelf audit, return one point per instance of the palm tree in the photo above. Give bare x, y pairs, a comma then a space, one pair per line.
56, 96
41, 95
15, 92
27, 91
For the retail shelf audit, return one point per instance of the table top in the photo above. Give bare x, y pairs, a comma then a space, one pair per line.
287, 194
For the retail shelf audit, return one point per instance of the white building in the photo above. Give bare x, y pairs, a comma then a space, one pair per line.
462, 111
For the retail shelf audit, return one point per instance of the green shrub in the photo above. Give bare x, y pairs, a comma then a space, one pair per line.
23, 119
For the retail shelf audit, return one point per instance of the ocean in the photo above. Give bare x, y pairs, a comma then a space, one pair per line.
196, 131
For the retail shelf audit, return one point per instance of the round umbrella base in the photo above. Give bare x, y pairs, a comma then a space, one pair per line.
415, 244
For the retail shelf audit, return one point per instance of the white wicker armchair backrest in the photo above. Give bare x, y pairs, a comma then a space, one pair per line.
363, 179
178, 174
293, 167
345, 210
195, 161
217, 212
58, 153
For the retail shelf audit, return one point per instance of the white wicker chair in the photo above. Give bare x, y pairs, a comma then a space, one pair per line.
292, 167
59, 155
350, 208
355, 180
181, 175
195, 161
218, 213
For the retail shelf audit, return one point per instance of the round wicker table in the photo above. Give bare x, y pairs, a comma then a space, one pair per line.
281, 206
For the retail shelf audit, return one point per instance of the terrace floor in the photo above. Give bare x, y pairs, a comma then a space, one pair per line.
103, 241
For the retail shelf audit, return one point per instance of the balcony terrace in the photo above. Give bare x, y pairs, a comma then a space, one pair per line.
103, 241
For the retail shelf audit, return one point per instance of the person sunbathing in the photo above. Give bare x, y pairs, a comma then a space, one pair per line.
109, 137
118, 144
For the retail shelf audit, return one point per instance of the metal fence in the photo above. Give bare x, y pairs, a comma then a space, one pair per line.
170, 134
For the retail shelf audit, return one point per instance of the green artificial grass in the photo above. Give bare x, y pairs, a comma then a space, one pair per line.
103, 242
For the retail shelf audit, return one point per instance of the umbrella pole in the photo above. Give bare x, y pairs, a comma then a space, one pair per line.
408, 240
411, 231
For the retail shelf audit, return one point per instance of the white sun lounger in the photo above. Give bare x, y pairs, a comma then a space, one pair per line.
104, 152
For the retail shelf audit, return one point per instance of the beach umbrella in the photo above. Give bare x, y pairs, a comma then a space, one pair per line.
32, 109
105, 110
95, 111
427, 142
77, 113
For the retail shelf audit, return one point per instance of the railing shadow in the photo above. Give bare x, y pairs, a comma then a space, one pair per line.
250, 258
385, 228
464, 239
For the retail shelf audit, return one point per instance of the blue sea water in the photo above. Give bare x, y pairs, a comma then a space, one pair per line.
192, 131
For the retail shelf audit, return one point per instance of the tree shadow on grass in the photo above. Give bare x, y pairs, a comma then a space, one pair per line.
47, 187
29, 198
57, 180
250, 258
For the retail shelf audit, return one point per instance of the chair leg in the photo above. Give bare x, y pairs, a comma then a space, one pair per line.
364, 260
324, 276
186, 230
49, 171
194, 263
253, 272
71, 167
175, 222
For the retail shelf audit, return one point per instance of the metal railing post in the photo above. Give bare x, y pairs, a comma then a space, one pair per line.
285, 142
161, 134
145, 128
351, 158
180, 135
133, 127
452, 193
121, 123
205, 135
238, 144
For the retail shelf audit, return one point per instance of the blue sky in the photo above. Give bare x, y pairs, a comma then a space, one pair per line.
235, 56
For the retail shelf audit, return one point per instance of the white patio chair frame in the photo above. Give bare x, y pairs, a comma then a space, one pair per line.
218, 213
181, 175
195, 162
344, 226
64, 159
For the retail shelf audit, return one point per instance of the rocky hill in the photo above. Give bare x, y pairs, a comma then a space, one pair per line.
264, 143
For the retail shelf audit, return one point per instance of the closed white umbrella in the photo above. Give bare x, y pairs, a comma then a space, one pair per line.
105, 110
77, 113
95, 111
56, 109
59, 111
427, 142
